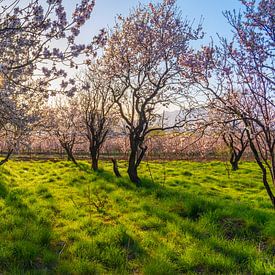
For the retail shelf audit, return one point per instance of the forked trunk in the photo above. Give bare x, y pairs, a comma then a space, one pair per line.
70, 154
234, 161
235, 153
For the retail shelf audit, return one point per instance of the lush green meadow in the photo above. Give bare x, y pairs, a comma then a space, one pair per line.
187, 217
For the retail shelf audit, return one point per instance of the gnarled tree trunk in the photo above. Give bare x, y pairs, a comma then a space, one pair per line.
136, 155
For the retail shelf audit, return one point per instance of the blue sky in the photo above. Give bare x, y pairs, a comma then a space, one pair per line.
211, 10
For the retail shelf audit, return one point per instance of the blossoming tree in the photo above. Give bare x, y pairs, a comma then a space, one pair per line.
141, 58
240, 75
62, 121
96, 109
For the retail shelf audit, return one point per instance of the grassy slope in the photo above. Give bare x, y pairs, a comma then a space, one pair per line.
55, 217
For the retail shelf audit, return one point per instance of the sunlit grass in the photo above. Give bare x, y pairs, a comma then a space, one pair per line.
187, 217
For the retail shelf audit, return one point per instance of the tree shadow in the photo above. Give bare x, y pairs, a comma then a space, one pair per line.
229, 224
26, 237
108, 176
3, 186
84, 167
218, 226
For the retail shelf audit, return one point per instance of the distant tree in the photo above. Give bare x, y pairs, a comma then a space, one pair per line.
230, 129
235, 139
17, 122
243, 70
13, 136
63, 122
141, 58
97, 110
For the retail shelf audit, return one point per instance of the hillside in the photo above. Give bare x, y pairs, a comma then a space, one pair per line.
189, 217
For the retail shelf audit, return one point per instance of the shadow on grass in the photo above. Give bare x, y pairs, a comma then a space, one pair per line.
193, 205
3, 188
25, 237
229, 230
107, 176
85, 167
221, 227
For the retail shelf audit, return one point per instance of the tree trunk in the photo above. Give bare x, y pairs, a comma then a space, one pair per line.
132, 168
70, 155
234, 160
73, 159
235, 165
264, 172
94, 156
235, 153
133, 175
115, 168
267, 187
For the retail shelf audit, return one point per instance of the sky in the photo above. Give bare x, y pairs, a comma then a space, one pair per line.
210, 10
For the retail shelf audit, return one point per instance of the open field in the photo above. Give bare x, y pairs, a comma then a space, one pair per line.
187, 217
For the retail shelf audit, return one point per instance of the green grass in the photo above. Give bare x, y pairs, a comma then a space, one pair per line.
191, 218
